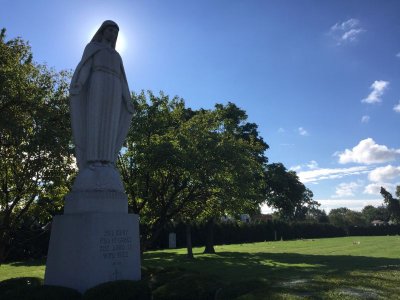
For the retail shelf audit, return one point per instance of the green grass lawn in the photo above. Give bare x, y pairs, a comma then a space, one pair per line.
336, 268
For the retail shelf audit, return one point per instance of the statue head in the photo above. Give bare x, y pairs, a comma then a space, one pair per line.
108, 31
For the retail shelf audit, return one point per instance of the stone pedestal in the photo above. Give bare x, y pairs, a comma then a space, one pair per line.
88, 249
95, 241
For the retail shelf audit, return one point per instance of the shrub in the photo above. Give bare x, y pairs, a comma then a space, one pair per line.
162, 276
238, 289
120, 289
11, 288
31, 288
51, 292
188, 286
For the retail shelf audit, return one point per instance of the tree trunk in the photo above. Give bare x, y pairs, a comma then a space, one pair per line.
189, 242
209, 241
2, 253
4, 247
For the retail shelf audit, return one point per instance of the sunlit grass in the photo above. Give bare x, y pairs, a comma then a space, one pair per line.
336, 268
22, 269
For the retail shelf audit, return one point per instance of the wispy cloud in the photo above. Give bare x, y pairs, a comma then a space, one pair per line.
311, 165
302, 131
347, 31
365, 119
398, 55
281, 130
396, 108
346, 189
313, 176
358, 205
368, 152
378, 88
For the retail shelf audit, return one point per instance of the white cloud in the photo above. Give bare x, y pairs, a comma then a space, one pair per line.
378, 88
346, 189
347, 31
352, 34
398, 55
313, 176
358, 205
302, 131
312, 164
368, 152
346, 25
296, 168
281, 130
396, 108
375, 188
265, 209
365, 119
383, 174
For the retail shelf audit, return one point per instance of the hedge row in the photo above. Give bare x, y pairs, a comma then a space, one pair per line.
33, 245
237, 233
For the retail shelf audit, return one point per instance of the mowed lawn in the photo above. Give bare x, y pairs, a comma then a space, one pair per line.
335, 268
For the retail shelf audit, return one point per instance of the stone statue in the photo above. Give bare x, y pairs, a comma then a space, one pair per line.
101, 110
101, 113
96, 240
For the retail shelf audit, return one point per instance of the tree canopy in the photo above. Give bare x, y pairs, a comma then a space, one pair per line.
187, 165
287, 194
35, 147
393, 204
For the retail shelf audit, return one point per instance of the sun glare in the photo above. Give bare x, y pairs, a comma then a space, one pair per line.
121, 42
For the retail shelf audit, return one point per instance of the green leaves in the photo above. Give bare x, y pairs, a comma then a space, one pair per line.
187, 165
287, 194
393, 204
35, 147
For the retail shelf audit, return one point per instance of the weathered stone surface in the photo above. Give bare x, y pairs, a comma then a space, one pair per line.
91, 248
96, 240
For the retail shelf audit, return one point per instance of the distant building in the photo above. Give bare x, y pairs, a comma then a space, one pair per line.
262, 218
378, 223
245, 218
226, 219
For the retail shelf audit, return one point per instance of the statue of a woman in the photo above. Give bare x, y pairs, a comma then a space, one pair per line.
101, 110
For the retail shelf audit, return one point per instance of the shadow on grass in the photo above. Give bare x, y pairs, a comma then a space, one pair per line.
298, 275
234, 266
28, 263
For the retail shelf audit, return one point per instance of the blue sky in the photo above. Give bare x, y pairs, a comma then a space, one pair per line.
320, 78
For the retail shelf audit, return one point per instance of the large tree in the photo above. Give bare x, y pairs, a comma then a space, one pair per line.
233, 164
186, 165
287, 194
392, 204
344, 217
35, 147
240, 185
371, 213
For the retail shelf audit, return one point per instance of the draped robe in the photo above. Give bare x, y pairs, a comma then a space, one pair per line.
101, 110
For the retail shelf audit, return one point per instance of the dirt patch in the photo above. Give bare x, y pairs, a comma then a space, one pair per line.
294, 282
359, 293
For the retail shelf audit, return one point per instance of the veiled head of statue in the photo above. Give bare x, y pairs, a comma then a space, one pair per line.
108, 30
